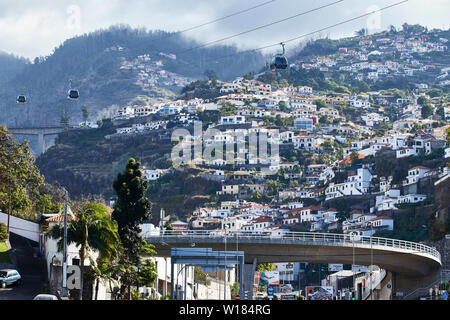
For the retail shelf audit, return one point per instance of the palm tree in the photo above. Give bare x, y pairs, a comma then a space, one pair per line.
104, 270
91, 230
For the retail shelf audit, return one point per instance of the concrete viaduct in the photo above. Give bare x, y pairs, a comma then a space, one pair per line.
40, 132
411, 268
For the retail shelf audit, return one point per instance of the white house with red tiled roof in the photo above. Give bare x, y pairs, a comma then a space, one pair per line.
393, 197
415, 174
258, 225
276, 230
290, 219
382, 223
179, 226
49, 246
357, 223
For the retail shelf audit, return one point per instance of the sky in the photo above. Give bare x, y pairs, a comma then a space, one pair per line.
31, 28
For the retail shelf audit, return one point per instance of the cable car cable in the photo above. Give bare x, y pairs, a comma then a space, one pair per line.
261, 27
310, 33
216, 20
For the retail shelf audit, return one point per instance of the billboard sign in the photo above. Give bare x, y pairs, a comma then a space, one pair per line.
335, 267
265, 278
269, 278
319, 293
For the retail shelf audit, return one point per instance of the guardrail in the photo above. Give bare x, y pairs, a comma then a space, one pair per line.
373, 278
309, 237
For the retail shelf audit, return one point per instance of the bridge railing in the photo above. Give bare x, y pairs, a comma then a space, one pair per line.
314, 237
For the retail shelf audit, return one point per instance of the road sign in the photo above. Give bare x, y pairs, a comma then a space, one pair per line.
237, 297
270, 291
444, 296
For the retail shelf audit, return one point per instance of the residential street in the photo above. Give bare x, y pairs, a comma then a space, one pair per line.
28, 267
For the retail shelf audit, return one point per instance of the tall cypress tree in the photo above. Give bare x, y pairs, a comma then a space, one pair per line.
131, 209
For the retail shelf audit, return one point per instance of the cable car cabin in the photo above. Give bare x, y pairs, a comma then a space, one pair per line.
73, 94
21, 99
280, 63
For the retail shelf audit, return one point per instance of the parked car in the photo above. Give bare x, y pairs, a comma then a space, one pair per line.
9, 277
43, 296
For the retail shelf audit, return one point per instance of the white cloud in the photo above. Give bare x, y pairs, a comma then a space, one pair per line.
31, 28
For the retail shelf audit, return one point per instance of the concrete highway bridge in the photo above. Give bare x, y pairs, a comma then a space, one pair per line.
41, 144
411, 268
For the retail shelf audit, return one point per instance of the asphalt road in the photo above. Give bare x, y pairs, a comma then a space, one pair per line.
29, 268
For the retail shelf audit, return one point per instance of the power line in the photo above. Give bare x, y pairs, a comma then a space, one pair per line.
217, 20
260, 27
310, 33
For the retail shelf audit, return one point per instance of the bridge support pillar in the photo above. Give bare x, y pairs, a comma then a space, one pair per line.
249, 273
40, 144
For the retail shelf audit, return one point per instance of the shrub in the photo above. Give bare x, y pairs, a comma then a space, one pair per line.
3, 232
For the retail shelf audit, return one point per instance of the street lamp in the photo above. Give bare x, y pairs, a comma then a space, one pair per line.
66, 199
9, 200
178, 274
371, 262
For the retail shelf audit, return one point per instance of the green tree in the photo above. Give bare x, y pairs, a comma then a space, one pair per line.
320, 104
147, 273
210, 74
19, 177
103, 269
361, 32
45, 204
4, 235
265, 267
85, 113
131, 209
441, 112
427, 110
421, 100
228, 109
354, 157
283, 107
92, 230
256, 196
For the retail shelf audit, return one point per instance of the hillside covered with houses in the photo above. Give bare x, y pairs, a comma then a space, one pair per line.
359, 158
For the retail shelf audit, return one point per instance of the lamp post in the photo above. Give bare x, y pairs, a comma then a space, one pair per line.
371, 262
225, 269
15, 163
353, 260
9, 206
9, 197
66, 198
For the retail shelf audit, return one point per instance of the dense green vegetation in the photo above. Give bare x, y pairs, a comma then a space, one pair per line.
10, 66
412, 223
4, 253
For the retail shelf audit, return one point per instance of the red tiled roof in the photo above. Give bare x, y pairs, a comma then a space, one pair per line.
262, 219
382, 217
59, 219
419, 167
314, 208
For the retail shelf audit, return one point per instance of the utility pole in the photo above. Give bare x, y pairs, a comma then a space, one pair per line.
9, 205
65, 247
371, 263
9, 198
225, 270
